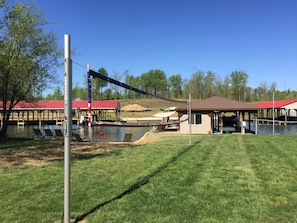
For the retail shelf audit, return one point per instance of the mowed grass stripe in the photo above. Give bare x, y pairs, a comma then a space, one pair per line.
229, 189
197, 187
125, 169
163, 198
275, 165
31, 194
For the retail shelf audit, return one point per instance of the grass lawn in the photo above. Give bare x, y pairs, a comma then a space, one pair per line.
219, 178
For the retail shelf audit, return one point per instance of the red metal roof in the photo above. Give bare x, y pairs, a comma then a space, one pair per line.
277, 103
59, 104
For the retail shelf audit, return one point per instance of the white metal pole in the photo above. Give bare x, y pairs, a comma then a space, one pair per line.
273, 113
67, 125
190, 119
89, 97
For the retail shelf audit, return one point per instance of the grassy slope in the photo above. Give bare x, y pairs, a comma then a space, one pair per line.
220, 178
154, 106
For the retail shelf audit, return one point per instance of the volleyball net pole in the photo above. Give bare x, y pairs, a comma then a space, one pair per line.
89, 97
67, 125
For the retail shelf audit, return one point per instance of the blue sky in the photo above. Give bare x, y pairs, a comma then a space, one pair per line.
258, 37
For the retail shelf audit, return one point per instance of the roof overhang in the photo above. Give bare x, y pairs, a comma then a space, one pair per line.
217, 104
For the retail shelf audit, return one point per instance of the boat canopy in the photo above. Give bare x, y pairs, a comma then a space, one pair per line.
164, 114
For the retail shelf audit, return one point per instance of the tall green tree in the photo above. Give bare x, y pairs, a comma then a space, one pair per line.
175, 85
79, 92
209, 84
98, 85
249, 94
154, 81
57, 95
195, 85
133, 82
239, 82
261, 92
272, 90
28, 56
126, 76
222, 86
226, 87
117, 90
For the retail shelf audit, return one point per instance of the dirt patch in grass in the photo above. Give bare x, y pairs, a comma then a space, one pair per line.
54, 150
134, 107
152, 104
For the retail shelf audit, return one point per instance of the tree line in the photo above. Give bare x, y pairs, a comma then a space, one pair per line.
200, 85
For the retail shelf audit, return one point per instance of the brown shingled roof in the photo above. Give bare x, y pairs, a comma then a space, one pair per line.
216, 103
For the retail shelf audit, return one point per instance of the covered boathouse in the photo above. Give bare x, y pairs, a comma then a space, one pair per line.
218, 115
52, 112
280, 112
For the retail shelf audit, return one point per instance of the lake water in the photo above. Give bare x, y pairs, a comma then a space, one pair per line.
116, 134
278, 129
110, 134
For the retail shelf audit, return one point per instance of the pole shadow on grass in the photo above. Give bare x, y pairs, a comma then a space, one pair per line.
138, 184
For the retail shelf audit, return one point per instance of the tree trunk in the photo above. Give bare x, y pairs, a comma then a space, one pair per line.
4, 128
5, 119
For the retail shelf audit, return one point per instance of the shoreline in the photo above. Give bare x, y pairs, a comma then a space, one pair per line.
42, 154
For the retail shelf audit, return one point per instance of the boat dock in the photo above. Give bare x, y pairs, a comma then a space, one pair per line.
271, 121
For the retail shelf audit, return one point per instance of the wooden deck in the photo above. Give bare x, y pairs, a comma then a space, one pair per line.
276, 122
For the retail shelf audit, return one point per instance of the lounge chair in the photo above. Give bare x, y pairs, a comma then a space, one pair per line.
37, 133
127, 137
79, 139
59, 133
48, 133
